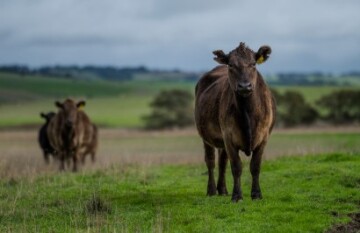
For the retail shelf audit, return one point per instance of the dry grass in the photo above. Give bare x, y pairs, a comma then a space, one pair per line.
21, 156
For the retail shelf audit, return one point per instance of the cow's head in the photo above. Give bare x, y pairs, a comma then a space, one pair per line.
69, 110
241, 63
47, 116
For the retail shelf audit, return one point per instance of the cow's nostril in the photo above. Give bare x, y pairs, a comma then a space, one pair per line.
244, 86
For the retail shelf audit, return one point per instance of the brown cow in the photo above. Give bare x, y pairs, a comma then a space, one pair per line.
70, 132
234, 110
91, 147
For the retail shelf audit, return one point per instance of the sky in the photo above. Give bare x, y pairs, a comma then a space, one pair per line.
305, 36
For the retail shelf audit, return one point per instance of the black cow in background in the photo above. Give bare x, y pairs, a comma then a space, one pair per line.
43, 136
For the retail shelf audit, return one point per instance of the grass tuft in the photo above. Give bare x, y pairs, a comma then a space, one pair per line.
96, 205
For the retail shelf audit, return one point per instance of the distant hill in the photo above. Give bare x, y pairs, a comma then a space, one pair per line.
108, 73
111, 73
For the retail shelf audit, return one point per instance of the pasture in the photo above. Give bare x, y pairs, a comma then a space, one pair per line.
156, 182
110, 104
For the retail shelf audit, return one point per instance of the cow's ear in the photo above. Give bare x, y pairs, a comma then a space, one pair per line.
221, 57
42, 115
262, 54
81, 104
58, 104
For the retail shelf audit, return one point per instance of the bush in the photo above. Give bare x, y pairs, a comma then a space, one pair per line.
341, 106
293, 110
172, 108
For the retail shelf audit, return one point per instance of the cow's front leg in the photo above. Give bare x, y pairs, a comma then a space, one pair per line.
62, 161
221, 185
75, 156
236, 169
255, 171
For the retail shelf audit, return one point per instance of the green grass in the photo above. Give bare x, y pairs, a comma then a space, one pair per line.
113, 104
38, 86
301, 194
121, 111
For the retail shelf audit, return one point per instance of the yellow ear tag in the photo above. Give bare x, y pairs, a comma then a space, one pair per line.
81, 107
260, 60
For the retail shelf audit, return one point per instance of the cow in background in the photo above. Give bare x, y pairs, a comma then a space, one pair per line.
43, 136
91, 147
71, 132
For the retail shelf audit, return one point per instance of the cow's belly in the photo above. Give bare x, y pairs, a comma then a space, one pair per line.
211, 134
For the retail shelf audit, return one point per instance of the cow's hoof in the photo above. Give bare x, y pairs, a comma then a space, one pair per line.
256, 195
236, 198
222, 191
211, 192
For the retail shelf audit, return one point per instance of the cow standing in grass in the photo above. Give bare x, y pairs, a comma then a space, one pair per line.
71, 132
43, 136
234, 110
91, 147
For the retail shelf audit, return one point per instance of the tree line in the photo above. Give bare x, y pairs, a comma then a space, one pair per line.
129, 73
110, 73
174, 108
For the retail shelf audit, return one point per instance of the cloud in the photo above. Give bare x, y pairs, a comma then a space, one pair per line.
306, 35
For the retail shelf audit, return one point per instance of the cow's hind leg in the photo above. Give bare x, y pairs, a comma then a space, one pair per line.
221, 185
255, 171
93, 158
83, 158
75, 162
46, 157
210, 163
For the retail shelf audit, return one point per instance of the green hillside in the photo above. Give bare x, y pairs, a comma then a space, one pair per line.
109, 103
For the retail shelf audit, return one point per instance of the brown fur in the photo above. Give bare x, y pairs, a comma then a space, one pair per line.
71, 133
91, 147
234, 110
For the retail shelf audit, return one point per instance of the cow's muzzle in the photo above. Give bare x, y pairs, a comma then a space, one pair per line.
68, 124
244, 89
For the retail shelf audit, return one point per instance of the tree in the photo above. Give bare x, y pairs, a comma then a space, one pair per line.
171, 108
295, 110
341, 106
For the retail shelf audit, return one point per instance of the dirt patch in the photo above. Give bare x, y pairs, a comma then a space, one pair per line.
352, 227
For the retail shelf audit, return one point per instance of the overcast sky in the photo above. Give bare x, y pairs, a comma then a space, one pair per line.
307, 35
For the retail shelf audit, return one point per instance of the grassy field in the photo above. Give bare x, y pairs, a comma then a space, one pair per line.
301, 194
156, 182
112, 104
119, 104
121, 111
21, 156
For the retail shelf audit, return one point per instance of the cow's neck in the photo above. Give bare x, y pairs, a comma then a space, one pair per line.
68, 135
246, 110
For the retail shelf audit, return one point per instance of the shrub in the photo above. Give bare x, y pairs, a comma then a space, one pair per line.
172, 108
341, 106
294, 110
